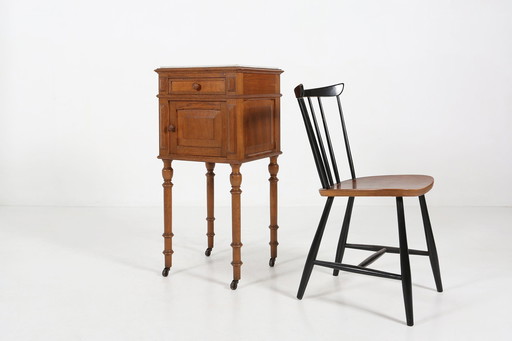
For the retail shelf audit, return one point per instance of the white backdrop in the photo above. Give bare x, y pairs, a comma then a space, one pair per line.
428, 90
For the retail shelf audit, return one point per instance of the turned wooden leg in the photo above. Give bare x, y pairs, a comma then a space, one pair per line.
167, 173
236, 179
273, 168
210, 200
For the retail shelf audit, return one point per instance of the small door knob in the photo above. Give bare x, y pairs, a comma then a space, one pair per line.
196, 86
171, 128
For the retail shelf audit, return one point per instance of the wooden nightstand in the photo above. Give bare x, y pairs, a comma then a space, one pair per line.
219, 115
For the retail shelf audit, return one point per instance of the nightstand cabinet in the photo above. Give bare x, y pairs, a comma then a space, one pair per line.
219, 115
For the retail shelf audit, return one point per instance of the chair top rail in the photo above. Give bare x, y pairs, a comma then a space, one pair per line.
327, 91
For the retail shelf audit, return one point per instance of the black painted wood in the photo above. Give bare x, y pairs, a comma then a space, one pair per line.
315, 245
340, 250
405, 266
320, 138
358, 269
372, 258
431, 245
327, 170
389, 249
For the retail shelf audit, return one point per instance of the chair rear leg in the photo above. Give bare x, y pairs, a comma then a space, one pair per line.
313, 251
343, 234
404, 262
431, 245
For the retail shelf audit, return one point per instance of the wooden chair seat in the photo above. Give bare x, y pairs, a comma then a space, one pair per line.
381, 186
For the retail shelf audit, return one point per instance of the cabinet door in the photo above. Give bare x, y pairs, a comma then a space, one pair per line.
198, 128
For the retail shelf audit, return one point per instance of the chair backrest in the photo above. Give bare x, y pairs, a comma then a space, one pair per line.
319, 134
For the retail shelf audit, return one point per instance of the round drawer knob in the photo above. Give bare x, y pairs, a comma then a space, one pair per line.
171, 128
196, 86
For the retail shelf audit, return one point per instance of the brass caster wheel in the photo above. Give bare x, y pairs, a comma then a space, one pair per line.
208, 252
234, 284
272, 262
165, 272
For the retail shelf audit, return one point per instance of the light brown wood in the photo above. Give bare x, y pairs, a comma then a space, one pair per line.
210, 217
220, 115
197, 128
382, 186
195, 86
236, 180
167, 173
273, 168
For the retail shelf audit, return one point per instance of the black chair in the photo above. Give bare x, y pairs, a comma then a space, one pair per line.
397, 186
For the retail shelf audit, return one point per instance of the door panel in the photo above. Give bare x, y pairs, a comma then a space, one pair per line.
198, 128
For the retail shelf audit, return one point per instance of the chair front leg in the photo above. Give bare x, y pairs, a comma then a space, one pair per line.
405, 266
343, 234
431, 245
313, 251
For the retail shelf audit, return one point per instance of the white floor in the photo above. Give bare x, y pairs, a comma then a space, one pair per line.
95, 274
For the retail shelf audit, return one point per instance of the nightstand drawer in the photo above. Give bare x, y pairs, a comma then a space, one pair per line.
198, 86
